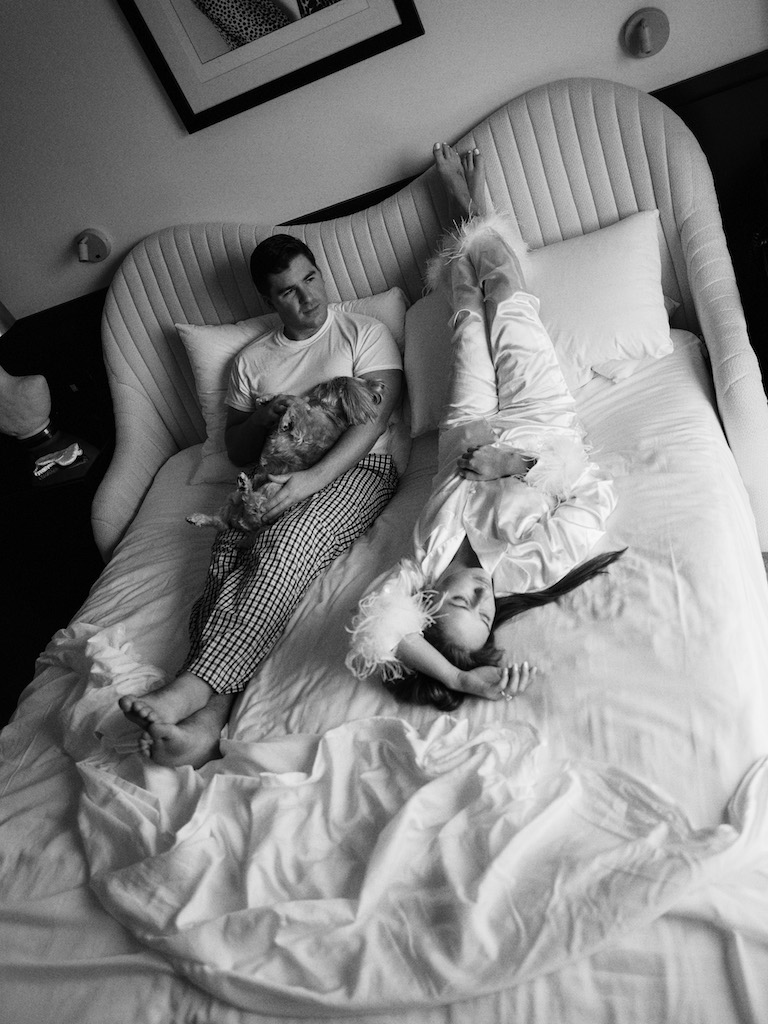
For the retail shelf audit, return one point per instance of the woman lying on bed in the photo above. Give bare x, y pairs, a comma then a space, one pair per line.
516, 505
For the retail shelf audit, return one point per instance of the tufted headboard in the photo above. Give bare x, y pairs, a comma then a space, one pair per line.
567, 158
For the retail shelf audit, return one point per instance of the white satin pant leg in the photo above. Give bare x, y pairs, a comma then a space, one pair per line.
470, 406
472, 392
507, 388
531, 392
525, 545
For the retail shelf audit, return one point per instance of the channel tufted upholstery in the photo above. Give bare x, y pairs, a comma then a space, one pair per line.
567, 158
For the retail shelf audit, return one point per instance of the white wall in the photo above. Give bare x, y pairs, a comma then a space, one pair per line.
89, 139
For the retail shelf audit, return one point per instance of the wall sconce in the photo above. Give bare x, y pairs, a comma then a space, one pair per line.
92, 246
645, 32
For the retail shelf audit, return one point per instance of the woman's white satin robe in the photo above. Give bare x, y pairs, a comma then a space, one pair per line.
507, 388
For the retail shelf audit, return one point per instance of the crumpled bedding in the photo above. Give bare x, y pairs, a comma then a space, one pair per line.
377, 866
642, 745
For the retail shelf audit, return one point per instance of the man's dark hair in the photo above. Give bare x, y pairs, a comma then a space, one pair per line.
274, 255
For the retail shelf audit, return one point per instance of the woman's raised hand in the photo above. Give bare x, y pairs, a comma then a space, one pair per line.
489, 462
494, 683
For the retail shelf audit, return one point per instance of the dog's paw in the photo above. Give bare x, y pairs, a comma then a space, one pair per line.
200, 519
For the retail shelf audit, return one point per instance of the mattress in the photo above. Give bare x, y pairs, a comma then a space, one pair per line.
649, 713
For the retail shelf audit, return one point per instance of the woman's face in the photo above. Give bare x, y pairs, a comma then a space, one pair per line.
468, 609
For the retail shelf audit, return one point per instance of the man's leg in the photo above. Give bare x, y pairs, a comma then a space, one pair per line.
187, 693
193, 741
226, 554
256, 601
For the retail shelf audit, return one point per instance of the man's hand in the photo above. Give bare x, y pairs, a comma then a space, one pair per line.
487, 462
295, 488
246, 432
493, 683
273, 409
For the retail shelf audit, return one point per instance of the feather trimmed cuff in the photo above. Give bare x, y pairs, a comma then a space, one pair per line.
400, 606
559, 465
471, 234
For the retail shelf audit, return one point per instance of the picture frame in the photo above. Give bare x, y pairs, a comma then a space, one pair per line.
208, 79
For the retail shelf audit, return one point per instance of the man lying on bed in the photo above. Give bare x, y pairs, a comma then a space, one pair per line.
251, 592
516, 506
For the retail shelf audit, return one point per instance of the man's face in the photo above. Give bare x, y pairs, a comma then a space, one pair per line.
298, 295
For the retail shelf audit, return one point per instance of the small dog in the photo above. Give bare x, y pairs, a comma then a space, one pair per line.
307, 429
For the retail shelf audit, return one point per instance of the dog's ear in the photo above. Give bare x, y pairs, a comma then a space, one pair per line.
327, 392
359, 398
376, 388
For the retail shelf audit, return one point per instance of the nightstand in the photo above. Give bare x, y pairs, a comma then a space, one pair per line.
49, 563
49, 556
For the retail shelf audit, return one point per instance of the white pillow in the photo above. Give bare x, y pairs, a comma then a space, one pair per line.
210, 350
601, 302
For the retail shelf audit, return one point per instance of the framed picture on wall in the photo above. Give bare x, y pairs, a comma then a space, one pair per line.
217, 58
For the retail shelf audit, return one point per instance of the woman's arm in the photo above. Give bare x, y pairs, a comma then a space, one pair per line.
487, 681
494, 461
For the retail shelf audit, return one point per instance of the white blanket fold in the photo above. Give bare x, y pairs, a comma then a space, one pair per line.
377, 866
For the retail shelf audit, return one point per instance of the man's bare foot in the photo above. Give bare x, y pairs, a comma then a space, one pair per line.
449, 167
170, 704
193, 741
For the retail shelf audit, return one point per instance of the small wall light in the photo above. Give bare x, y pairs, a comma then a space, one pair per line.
93, 246
645, 32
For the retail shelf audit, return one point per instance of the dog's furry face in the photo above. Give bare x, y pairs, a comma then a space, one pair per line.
307, 429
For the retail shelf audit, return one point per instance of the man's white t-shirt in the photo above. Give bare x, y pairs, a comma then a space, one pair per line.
347, 345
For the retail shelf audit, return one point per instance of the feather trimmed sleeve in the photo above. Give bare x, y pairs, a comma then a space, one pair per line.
400, 605
470, 236
559, 465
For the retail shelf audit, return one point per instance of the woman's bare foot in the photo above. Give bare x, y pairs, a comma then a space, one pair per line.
463, 178
170, 704
473, 167
449, 167
193, 741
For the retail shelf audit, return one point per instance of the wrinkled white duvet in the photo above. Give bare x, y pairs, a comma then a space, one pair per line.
377, 866
593, 851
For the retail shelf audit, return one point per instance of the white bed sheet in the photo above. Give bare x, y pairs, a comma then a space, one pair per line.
617, 686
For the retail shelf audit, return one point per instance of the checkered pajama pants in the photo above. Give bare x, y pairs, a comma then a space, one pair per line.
251, 593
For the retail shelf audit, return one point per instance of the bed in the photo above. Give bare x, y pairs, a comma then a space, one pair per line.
596, 850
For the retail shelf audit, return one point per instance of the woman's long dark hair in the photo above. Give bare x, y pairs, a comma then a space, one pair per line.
418, 688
